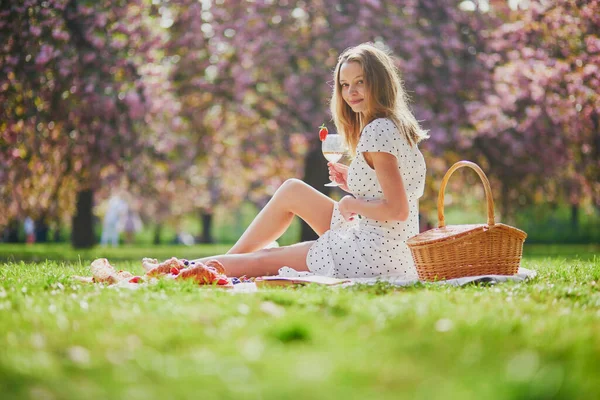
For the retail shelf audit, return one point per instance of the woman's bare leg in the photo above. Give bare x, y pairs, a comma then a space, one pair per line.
265, 261
294, 197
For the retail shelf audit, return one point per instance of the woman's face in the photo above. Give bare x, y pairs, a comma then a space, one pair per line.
353, 86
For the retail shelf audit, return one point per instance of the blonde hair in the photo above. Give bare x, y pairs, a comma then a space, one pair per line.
385, 97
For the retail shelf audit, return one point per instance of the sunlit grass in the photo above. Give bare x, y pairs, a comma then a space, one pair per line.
64, 340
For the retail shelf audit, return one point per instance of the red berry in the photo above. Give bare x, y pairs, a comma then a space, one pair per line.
174, 271
222, 281
135, 279
323, 132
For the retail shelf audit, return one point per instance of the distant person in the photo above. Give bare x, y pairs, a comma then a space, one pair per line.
183, 237
112, 224
132, 225
29, 228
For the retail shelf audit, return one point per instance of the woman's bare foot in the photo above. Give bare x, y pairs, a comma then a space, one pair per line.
162, 268
216, 265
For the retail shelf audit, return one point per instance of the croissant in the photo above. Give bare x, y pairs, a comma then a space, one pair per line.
199, 273
103, 272
124, 275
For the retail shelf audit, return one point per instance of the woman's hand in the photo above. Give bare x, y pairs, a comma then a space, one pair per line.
344, 206
338, 173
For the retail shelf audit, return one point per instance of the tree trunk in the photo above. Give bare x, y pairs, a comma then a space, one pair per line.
56, 234
11, 232
207, 219
82, 232
574, 217
157, 232
316, 175
41, 230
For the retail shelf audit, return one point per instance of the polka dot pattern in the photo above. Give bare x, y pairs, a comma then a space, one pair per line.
366, 247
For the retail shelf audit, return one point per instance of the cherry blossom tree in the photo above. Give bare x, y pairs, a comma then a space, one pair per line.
537, 120
74, 102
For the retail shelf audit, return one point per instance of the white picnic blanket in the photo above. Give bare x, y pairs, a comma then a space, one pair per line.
522, 274
246, 287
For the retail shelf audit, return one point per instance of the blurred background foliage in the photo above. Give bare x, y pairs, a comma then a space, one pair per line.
196, 111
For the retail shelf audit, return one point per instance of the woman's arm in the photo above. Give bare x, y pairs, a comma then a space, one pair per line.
394, 205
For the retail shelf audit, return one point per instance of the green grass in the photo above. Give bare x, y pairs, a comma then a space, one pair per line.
64, 340
64, 252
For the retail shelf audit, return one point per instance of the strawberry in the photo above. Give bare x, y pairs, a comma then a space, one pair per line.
135, 279
222, 281
323, 132
174, 271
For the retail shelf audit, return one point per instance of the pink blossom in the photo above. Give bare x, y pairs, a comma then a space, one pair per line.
136, 108
45, 55
35, 30
59, 34
100, 20
89, 57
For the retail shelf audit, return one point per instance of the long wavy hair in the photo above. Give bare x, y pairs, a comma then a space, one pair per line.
384, 97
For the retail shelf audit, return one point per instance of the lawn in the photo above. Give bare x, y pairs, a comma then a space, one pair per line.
65, 340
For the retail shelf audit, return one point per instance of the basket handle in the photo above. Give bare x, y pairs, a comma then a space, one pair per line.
486, 187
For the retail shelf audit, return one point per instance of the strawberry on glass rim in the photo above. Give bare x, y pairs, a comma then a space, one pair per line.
333, 147
323, 132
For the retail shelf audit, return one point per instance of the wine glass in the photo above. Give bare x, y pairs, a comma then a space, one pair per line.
333, 149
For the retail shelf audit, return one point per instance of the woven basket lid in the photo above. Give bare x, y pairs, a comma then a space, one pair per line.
444, 233
454, 232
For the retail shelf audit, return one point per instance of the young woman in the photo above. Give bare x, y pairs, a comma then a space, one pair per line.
361, 235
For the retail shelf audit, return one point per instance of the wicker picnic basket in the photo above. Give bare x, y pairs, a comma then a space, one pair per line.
456, 251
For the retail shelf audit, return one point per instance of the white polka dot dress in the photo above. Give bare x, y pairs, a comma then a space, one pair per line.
366, 247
